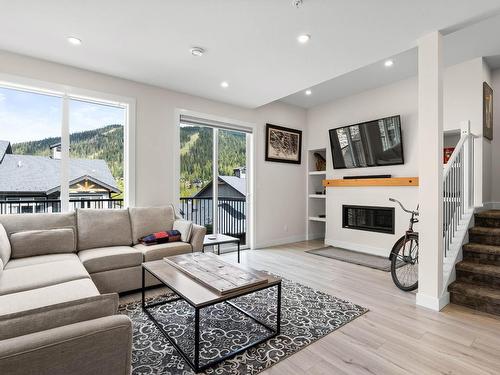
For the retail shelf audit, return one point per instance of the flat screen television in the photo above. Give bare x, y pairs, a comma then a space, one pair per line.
368, 144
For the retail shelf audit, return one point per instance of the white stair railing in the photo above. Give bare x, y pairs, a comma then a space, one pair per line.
458, 188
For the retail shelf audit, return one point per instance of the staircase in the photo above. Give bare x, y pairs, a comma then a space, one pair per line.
477, 282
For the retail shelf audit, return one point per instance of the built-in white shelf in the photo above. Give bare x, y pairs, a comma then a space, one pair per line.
316, 203
317, 218
321, 196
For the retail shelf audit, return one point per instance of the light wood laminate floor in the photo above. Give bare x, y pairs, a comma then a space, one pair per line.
394, 337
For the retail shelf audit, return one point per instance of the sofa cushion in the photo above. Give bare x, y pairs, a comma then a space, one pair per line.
42, 242
110, 258
157, 252
147, 220
21, 222
185, 227
40, 275
5, 248
102, 228
61, 314
22, 262
49, 295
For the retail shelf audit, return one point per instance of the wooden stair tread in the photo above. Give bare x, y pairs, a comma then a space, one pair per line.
481, 248
484, 269
475, 291
485, 231
490, 214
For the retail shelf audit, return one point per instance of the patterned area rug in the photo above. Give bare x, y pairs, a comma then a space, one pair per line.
306, 316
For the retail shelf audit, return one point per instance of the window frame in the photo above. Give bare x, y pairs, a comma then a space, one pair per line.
66, 93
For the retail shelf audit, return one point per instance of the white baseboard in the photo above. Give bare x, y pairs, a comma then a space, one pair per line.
280, 241
492, 205
359, 248
433, 303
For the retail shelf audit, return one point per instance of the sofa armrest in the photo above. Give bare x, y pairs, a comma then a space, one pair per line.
197, 236
98, 346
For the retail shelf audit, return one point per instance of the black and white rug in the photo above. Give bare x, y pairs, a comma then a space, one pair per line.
306, 316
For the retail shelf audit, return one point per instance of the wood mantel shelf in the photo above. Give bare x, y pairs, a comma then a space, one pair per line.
395, 181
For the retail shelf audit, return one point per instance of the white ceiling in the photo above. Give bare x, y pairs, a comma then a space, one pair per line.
250, 44
474, 40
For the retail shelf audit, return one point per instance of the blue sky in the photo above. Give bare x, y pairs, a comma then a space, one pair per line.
28, 116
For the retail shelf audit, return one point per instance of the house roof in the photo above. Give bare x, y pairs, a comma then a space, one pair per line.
237, 183
41, 174
240, 184
4, 149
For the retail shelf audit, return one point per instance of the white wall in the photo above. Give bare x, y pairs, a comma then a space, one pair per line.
280, 187
495, 144
486, 143
399, 98
155, 118
463, 93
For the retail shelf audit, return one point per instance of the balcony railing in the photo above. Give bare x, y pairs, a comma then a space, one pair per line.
232, 213
54, 205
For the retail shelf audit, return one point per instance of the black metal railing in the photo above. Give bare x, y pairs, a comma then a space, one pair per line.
54, 205
232, 214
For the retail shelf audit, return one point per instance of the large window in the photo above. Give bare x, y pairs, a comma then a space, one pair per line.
60, 151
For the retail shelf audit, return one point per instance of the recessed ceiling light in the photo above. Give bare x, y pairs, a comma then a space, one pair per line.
74, 41
197, 51
224, 84
304, 38
308, 92
389, 63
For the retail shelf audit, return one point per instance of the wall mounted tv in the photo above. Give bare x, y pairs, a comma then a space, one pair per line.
368, 144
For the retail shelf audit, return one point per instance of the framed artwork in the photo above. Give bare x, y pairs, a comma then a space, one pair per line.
487, 111
283, 145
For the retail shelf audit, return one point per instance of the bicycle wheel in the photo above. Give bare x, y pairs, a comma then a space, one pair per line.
404, 263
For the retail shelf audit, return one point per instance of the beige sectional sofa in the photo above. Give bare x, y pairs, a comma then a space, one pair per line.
59, 279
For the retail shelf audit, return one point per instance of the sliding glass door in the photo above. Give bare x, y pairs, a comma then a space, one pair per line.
214, 178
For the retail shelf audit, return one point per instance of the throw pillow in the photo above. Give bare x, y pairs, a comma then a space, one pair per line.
42, 242
185, 227
174, 235
154, 239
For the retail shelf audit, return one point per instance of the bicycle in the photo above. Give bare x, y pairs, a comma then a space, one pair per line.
404, 255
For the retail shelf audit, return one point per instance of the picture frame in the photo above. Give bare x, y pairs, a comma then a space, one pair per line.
487, 111
283, 145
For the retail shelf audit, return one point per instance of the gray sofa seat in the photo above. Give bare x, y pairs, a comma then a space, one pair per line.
40, 275
110, 258
98, 346
46, 296
156, 252
23, 262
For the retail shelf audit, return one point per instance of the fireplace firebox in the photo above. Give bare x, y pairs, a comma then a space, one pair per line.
369, 218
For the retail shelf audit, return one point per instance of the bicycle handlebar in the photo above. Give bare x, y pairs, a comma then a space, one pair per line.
403, 207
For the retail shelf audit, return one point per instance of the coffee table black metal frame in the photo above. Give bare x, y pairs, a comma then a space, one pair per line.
226, 239
195, 365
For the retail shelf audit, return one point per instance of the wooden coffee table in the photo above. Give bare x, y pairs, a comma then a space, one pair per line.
199, 296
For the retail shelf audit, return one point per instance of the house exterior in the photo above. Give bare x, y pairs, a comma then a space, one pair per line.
231, 201
37, 178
